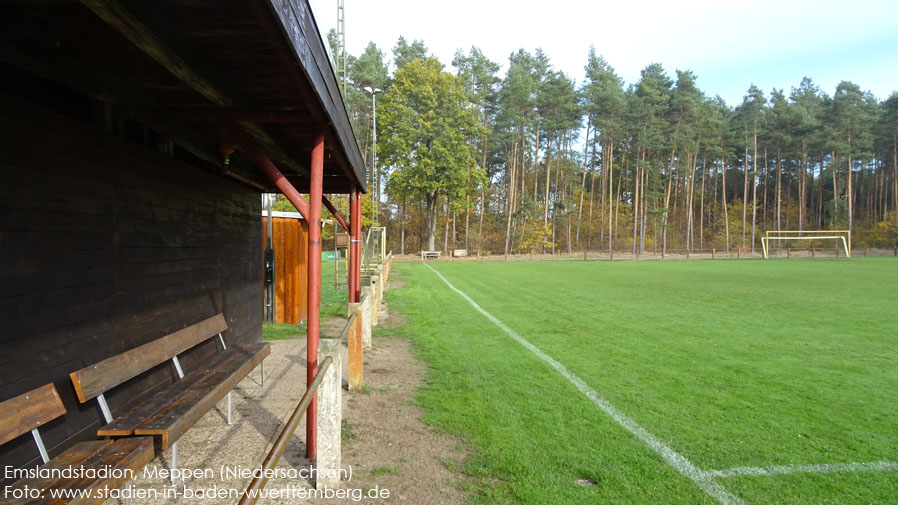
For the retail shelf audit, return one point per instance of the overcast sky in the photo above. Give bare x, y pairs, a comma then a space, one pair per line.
728, 44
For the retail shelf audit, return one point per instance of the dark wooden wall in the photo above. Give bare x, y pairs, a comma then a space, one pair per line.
105, 245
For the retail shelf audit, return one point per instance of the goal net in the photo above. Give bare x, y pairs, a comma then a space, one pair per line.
783, 239
374, 249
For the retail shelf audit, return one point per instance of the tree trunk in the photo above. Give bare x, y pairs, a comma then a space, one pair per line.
536, 161
803, 186
610, 195
635, 206
745, 194
664, 218
701, 210
723, 194
446, 232
483, 205
511, 189
402, 228
895, 174
849, 190
431, 203
548, 181
779, 181
582, 185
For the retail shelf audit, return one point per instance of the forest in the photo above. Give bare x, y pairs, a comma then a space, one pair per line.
532, 159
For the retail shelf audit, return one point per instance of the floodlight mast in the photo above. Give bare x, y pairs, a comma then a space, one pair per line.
374, 92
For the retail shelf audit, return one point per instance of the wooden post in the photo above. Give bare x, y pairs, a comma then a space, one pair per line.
611, 254
812, 251
739, 253
584, 254
788, 252
355, 350
865, 251
713, 253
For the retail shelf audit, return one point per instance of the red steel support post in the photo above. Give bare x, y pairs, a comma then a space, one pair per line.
274, 175
355, 245
336, 213
314, 220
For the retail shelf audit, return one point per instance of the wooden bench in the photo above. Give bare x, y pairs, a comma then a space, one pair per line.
459, 253
430, 254
26, 413
168, 413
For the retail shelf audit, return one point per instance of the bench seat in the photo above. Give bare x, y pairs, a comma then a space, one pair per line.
129, 453
168, 413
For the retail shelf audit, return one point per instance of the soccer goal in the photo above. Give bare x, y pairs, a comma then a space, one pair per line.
841, 237
374, 249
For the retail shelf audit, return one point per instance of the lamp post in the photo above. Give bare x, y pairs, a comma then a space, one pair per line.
374, 92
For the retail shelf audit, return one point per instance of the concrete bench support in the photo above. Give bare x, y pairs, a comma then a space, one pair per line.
329, 416
365, 306
375, 298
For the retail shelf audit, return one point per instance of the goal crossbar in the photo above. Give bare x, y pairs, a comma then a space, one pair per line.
807, 235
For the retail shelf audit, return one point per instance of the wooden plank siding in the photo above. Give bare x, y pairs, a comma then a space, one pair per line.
106, 245
290, 241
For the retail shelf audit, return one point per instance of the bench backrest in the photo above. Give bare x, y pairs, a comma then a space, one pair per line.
96, 379
27, 411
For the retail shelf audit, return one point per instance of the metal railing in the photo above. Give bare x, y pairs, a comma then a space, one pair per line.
251, 495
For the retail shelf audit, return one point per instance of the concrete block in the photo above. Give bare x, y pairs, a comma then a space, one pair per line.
327, 462
375, 298
366, 317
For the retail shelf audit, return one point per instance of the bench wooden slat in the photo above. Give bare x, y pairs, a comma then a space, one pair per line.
171, 422
73, 457
125, 423
93, 380
128, 453
27, 411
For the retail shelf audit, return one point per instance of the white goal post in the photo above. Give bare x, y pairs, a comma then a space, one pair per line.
838, 235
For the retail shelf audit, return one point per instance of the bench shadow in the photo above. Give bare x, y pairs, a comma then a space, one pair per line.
263, 421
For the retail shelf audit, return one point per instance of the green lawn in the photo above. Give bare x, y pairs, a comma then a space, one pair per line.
731, 363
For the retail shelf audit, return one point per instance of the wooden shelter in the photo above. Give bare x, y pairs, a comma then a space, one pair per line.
137, 137
290, 239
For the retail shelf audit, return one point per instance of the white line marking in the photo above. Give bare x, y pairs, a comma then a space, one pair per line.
876, 466
673, 458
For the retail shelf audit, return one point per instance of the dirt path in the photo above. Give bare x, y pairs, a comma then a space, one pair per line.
384, 440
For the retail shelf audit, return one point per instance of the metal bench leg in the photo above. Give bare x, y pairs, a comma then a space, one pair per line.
128, 493
229, 407
40, 445
178, 366
104, 407
174, 461
262, 370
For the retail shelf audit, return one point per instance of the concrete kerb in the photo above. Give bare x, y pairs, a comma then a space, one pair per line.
327, 462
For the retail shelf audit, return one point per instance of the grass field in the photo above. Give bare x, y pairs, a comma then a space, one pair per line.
776, 381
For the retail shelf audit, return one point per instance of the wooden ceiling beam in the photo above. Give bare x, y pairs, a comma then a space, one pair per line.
167, 54
238, 115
